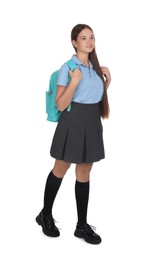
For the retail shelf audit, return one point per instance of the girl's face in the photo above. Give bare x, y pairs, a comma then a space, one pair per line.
85, 41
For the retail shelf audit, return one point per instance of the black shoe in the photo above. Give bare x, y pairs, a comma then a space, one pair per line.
86, 231
48, 225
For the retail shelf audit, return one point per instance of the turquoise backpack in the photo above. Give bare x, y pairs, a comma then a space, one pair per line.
53, 114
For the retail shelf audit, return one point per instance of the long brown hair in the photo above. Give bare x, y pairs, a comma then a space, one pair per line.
104, 104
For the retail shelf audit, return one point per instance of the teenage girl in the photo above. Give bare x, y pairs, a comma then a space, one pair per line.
78, 136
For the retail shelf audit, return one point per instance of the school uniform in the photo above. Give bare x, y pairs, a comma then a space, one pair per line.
78, 136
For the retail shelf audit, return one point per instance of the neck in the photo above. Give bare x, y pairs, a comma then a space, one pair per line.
83, 57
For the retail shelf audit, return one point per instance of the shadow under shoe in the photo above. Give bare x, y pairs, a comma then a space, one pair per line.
48, 225
86, 232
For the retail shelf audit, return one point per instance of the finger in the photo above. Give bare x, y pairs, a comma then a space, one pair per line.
106, 73
105, 70
70, 73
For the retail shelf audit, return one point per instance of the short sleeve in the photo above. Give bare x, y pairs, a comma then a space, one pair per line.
63, 75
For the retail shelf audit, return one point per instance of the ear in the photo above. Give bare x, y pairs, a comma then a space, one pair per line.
74, 43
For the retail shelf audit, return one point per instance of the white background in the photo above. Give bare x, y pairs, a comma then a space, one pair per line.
35, 41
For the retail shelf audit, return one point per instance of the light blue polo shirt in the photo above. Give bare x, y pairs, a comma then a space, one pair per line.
89, 89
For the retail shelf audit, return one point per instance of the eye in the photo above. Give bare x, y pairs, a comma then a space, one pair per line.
84, 38
92, 37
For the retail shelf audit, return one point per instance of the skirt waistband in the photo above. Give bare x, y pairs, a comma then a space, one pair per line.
81, 113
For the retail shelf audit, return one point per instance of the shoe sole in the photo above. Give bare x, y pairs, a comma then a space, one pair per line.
80, 234
39, 222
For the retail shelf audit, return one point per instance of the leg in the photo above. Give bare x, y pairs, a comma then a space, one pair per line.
82, 190
53, 183
83, 171
83, 230
60, 168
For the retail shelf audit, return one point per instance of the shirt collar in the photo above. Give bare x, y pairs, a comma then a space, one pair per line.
78, 62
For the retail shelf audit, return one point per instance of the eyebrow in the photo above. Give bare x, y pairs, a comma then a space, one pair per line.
86, 36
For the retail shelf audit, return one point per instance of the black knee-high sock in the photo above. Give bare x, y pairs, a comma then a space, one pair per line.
52, 186
82, 196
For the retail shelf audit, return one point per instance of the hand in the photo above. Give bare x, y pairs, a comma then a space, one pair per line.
76, 75
107, 76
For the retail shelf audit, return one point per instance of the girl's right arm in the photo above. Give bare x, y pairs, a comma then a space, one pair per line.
64, 94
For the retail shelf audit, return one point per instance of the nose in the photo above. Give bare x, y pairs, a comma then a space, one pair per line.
90, 40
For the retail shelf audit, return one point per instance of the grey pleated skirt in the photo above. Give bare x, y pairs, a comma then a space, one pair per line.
78, 135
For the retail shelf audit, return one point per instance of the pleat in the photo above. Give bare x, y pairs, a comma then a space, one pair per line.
57, 149
74, 145
94, 144
78, 136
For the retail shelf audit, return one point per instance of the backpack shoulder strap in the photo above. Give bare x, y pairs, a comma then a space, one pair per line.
71, 64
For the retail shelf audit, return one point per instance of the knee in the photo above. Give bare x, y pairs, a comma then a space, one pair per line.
84, 168
66, 166
60, 168
83, 172
82, 176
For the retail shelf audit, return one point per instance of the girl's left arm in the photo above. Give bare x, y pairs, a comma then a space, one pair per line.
107, 75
